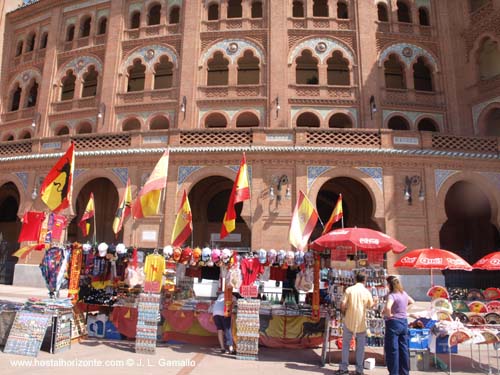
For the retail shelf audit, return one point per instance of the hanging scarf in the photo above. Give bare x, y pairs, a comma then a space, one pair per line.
74, 276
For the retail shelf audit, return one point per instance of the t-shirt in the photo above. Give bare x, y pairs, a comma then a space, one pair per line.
218, 308
357, 300
399, 305
250, 269
32, 225
154, 267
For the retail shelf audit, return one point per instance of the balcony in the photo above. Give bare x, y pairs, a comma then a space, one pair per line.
321, 23
240, 91
234, 24
404, 97
151, 31
69, 105
405, 28
323, 92
147, 96
11, 148
26, 113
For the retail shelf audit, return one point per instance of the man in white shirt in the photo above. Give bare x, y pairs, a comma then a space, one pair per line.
223, 324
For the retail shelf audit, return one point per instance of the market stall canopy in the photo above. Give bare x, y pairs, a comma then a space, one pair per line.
490, 262
430, 258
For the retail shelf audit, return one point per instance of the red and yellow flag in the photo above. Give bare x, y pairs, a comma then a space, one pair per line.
123, 209
147, 202
183, 223
337, 214
57, 188
240, 193
87, 215
304, 220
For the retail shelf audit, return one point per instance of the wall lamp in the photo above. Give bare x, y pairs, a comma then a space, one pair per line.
102, 112
34, 194
413, 181
183, 105
280, 182
278, 107
373, 107
36, 120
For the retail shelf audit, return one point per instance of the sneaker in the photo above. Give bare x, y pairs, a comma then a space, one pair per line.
223, 351
341, 372
359, 373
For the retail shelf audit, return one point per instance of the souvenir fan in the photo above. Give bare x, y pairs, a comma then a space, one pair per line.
309, 258
462, 318
262, 256
186, 255
299, 258
271, 256
102, 249
438, 292
281, 257
196, 256
226, 255
460, 306
168, 251
215, 256
477, 307
121, 249
290, 257
86, 248
489, 337
458, 337
444, 315
493, 306
476, 319
440, 304
206, 254
492, 318
474, 295
176, 256
491, 293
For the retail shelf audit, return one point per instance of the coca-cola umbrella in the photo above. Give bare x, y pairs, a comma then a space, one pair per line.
370, 241
431, 258
490, 262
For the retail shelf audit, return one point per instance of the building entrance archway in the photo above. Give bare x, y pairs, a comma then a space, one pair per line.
10, 226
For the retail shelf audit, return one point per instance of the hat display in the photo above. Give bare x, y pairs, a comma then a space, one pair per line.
196, 256
186, 255
121, 249
216, 255
226, 255
168, 251
206, 253
86, 248
271, 256
299, 258
177, 254
262, 256
290, 257
309, 258
102, 249
281, 257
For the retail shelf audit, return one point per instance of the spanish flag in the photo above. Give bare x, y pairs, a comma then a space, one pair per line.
88, 214
123, 209
183, 223
337, 214
240, 193
57, 188
147, 202
304, 220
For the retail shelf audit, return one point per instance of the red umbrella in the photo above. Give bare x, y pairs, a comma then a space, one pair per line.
431, 258
358, 239
490, 262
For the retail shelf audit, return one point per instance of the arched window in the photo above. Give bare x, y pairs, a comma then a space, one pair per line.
213, 12
132, 124
306, 69
90, 82
340, 120
257, 9
154, 15
338, 70
136, 76
135, 20
403, 12
68, 87
342, 10
234, 9
32, 95
394, 73
423, 16
175, 16
398, 123
247, 120
70, 33
16, 98
63, 130
9, 138
492, 123
489, 59
308, 120
103, 25
84, 128
218, 71
382, 14
427, 125
320, 8
163, 74
159, 123
85, 27
43, 41
19, 48
30, 44
248, 69
25, 135
215, 120
422, 76
298, 9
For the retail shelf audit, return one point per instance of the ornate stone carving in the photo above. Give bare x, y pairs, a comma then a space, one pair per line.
79, 65
313, 172
440, 176
326, 47
233, 48
122, 174
23, 177
150, 55
376, 173
408, 53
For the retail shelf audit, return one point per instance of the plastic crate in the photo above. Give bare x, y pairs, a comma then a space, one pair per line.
419, 338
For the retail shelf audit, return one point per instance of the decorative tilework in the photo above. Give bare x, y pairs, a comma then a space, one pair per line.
478, 108
135, 6
79, 66
313, 172
78, 172
150, 55
235, 168
122, 174
101, 13
184, 172
440, 176
408, 58
23, 177
174, 2
232, 48
72, 123
493, 177
25, 77
423, 3
375, 173
322, 48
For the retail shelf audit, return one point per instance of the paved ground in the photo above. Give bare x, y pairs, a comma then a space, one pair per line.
94, 356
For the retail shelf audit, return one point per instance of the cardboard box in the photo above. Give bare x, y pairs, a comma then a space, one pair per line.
369, 364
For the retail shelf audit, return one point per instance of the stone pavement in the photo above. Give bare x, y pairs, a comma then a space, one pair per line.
96, 356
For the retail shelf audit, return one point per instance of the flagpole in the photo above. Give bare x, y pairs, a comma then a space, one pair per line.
95, 227
161, 231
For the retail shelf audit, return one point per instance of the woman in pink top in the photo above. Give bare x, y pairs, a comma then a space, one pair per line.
396, 346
